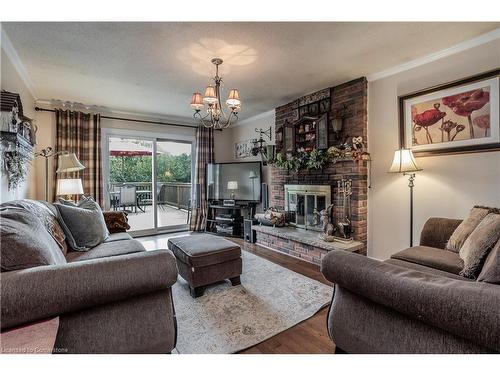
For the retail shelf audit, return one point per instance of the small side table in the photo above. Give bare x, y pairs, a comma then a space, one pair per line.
35, 338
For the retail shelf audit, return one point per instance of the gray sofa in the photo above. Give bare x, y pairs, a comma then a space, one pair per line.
114, 298
414, 302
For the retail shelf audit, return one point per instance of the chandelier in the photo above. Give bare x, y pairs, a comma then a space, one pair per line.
215, 116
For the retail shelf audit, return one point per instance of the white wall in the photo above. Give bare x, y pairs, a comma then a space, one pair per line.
242, 131
448, 186
11, 81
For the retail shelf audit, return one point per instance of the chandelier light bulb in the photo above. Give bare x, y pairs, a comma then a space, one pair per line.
197, 101
210, 97
233, 101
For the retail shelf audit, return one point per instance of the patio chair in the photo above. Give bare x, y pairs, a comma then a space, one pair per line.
128, 197
162, 197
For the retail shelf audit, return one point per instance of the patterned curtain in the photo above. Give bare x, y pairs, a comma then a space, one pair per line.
204, 155
80, 133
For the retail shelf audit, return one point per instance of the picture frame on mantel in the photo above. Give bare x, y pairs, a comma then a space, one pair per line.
322, 132
452, 118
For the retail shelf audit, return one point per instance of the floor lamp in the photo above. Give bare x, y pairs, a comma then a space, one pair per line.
67, 162
404, 162
252, 177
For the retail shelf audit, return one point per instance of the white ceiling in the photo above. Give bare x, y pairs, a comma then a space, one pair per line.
154, 67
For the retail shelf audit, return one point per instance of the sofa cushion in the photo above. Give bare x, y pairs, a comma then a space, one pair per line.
477, 246
83, 223
466, 227
490, 273
201, 250
118, 237
47, 214
25, 242
444, 260
425, 269
106, 249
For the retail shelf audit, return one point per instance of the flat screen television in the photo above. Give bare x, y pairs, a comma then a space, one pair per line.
238, 181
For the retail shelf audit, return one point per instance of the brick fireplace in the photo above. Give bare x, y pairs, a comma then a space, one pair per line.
352, 96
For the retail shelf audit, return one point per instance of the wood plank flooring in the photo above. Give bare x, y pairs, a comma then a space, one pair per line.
307, 337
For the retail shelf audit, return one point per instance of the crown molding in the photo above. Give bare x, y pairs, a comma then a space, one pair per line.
474, 42
52, 104
11, 53
254, 118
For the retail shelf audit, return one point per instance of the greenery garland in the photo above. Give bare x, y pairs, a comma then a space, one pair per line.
318, 159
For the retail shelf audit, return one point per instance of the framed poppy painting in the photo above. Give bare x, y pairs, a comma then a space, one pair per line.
457, 117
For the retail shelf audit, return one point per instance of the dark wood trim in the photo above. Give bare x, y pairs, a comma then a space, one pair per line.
451, 150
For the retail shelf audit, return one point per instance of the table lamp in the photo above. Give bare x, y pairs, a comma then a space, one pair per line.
404, 162
232, 185
69, 186
66, 163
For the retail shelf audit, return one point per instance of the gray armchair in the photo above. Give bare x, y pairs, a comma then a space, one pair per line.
414, 303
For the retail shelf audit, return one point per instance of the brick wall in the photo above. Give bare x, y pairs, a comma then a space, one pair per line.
353, 94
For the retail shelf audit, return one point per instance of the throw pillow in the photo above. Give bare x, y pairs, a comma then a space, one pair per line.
47, 214
465, 228
477, 246
83, 223
490, 272
25, 241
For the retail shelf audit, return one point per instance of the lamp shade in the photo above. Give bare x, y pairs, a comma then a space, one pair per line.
232, 185
69, 186
197, 101
404, 161
210, 96
68, 163
252, 175
233, 99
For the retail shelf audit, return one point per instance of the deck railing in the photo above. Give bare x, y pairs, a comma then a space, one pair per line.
177, 194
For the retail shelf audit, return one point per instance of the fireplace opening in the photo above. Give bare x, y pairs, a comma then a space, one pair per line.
304, 203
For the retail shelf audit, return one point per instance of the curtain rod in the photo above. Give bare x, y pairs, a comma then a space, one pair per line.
38, 109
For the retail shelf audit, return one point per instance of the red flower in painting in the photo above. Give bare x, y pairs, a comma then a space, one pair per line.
465, 103
483, 122
429, 117
426, 119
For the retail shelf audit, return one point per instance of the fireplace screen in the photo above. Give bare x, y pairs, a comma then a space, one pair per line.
304, 203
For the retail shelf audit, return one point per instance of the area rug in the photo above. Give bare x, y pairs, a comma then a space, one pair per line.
227, 319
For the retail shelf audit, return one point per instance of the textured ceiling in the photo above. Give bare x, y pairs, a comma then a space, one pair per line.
155, 67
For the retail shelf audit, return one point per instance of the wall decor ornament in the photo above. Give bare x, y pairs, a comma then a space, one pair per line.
17, 138
244, 149
456, 117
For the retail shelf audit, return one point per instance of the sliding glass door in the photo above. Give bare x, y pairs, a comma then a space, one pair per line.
173, 171
150, 179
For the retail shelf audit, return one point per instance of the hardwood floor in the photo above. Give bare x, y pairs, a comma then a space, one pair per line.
307, 337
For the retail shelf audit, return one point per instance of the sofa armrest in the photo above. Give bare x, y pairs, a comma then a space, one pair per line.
437, 231
43, 292
464, 308
116, 221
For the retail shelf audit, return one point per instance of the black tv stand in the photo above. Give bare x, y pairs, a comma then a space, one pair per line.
228, 220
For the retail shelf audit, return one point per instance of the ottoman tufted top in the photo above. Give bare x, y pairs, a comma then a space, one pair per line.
199, 250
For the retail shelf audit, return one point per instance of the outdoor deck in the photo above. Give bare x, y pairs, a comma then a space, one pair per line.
167, 216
